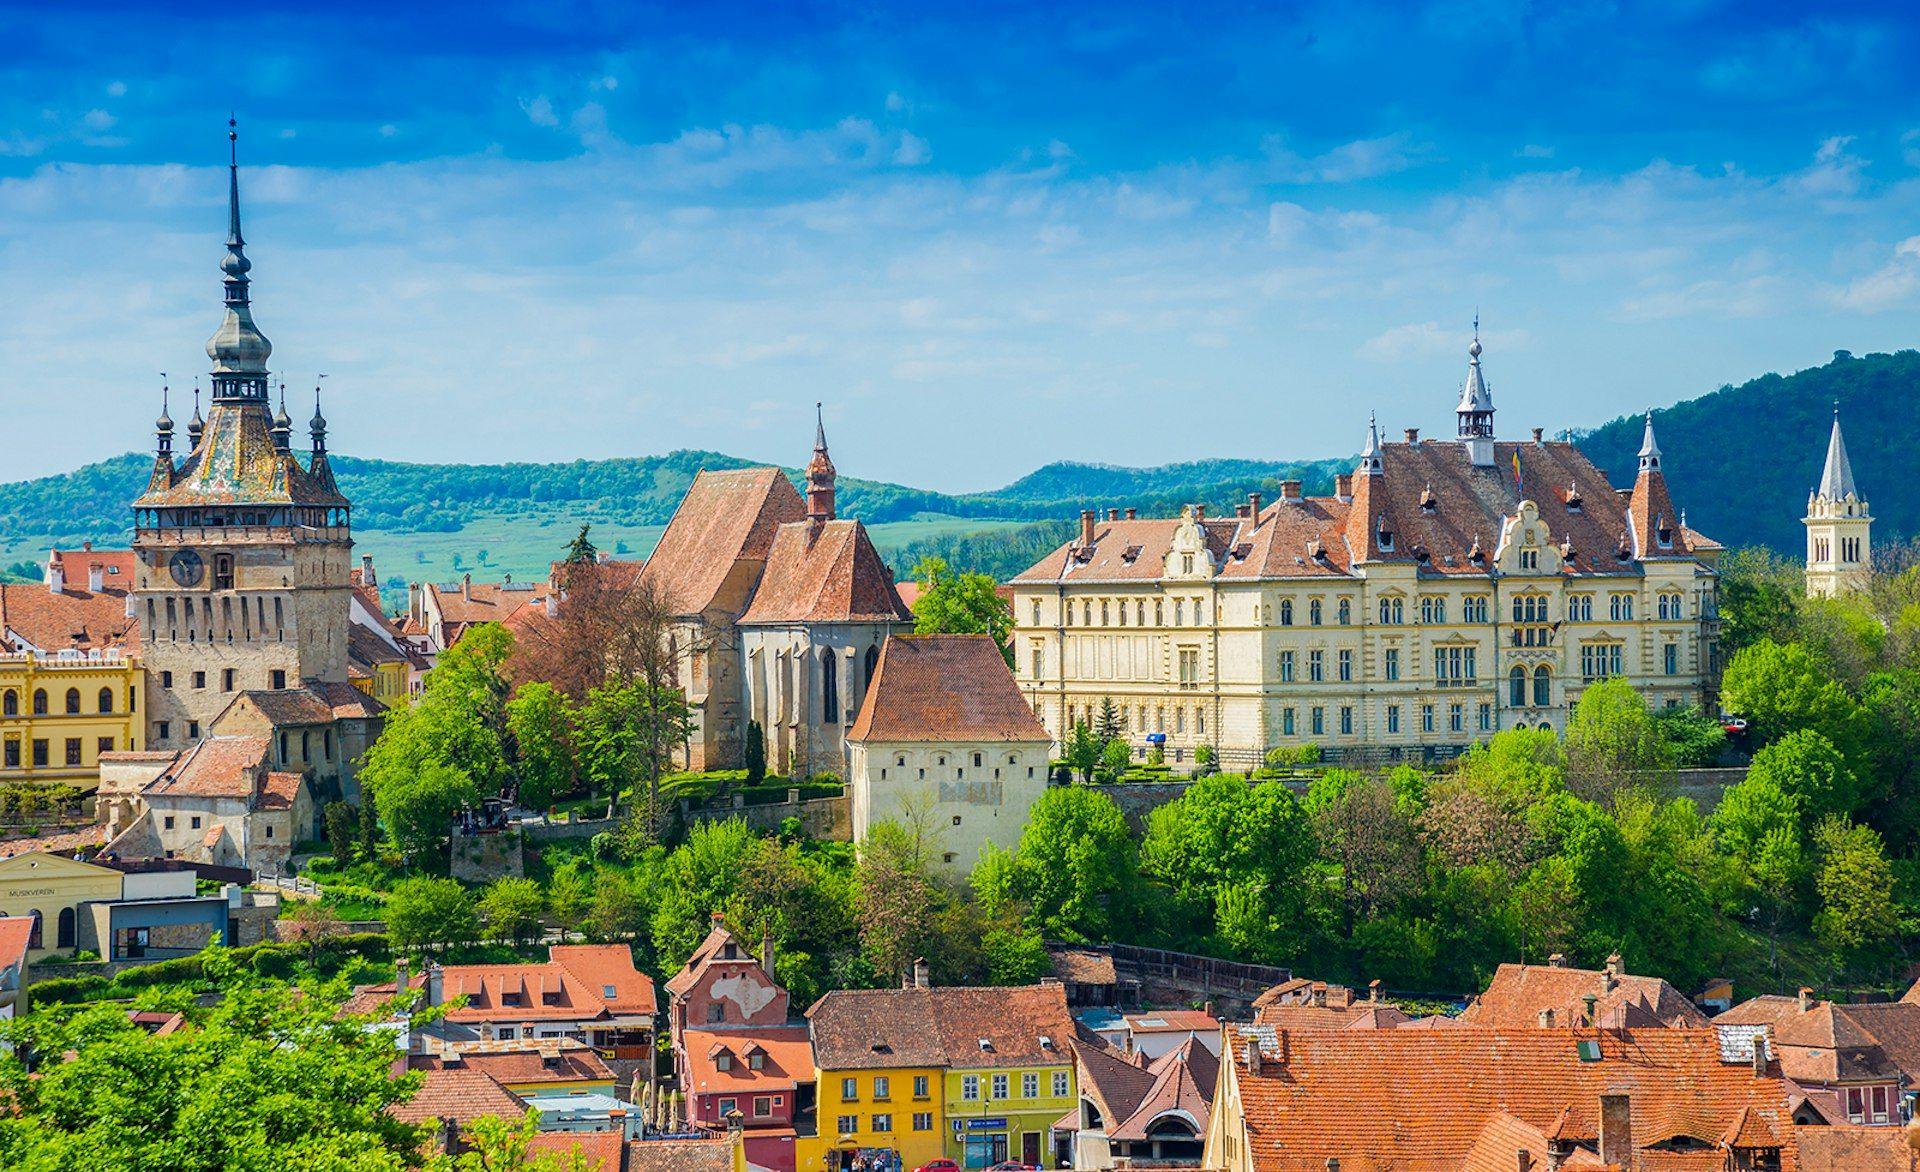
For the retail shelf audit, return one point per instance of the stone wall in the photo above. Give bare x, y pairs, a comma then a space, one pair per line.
828, 819
483, 858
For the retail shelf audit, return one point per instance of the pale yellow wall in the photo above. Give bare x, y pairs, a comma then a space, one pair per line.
963, 795
43, 883
124, 725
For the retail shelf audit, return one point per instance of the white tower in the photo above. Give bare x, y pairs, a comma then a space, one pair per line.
1839, 553
1475, 412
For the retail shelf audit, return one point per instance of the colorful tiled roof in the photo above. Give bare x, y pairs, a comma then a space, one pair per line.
786, 1055
1519, 992
948, 1026
216, 767
945, 688
236, 463
460, 1095
726, 517
1829, 1043
680, 1155
825, 574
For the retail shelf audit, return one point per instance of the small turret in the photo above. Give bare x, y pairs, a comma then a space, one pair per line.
1474, 414
820, 476
163, 429
1370, 464
196, 425
282, 425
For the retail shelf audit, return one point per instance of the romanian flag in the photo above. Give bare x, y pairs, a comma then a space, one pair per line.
1519, 481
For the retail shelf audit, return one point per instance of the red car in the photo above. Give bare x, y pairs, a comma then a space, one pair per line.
938, 1166
1012, 1166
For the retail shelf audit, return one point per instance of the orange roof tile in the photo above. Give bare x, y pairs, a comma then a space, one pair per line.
725, 518
786, 1054
855, 1029
15, 932
824, 575
1518, 992
580, 1151
460, 1095
527, 1064
944, 688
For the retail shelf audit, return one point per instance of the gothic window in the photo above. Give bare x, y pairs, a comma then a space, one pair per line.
1286, 612
1542, 687
10, 704
1313, 612
829, 687
871, 664
39, 701
1345, 612
106, 699
73, 701
1517, 687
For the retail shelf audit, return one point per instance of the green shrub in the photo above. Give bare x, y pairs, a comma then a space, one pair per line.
66, 990
273, 962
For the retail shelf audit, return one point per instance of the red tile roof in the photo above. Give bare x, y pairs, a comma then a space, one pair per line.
705, 953
579, 1151
786, 1054
727, 517
216, 767
855, 1029
524, 1062
1830, 1043
75, 619
15, 931
1173, 1021
823, 575
460, 1095
1082, 966
1518, 992
945, 688
680, 1155
1424, 1100
1184, 1080
571, 985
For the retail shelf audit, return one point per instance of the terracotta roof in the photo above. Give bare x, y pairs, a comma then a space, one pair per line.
945, 688
1856, 1149
465, 604
527, 1064
571, 985
236, 463
1173, 1021
1116, 1081
579, 1151
75, 619
315, 702
705, 953
1830, 1043
856, 1029
65, 842
1518, 992
680, 1155
279, 791
909, 592
369, 649
1082, 966
1304, 1004
15, 931
603, 966
460, 1095
786, 1054
1423, 1101
1184, 1080
216, 767
726, 517
1315, 537
825, 575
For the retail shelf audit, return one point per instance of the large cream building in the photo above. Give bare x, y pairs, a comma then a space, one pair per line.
1447, 589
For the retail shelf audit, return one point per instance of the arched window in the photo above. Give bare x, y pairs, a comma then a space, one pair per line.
10, 703
1542, 687
872, 664
39, 701
1313, 612
1517, 687
1346, 612
33, 933
106, 699
73, 701
63, 932
1286, 612
829, 687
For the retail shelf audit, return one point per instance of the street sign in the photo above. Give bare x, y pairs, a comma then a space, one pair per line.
1156, 738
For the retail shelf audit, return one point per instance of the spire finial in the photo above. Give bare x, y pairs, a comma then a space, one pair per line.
238, 349
1473, 349
1649, 448
819, 428
820, 474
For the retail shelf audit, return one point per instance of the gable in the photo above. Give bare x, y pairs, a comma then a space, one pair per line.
38, 865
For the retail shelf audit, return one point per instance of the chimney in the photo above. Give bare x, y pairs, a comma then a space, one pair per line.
1616, 1130
1558, 960
1199, 512
96, 577
1373, 989
366, 570
1241, 511
1413, 435
449, 1135
1086, 527
1133, 514
1319, 995
1806, 999
766, 951
56, 577
435, 984
1760, 1055
1536, 435
1289, 489
1589, 1018
1343, 485
921, 978
1206, 1007
1522, 1160
466, 585
1253, 1056
1546, 1019
400, 976
1615, 967
1113, 514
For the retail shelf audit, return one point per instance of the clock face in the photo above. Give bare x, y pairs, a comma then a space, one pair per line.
186, 567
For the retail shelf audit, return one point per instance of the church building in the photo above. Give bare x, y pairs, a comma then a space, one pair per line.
1445, 590
242, 577
1839, 545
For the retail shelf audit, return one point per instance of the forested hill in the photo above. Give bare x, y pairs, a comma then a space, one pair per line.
1741, 460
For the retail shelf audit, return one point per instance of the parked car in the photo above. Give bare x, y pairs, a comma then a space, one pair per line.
1012, 1166
1734, 725
941, 1165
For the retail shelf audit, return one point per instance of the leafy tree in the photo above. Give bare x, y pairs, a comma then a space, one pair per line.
1015, 955
1780, 687
541, 722
1855, 884
569, 896
620, 910
1806, 765
420, 807
1114, 760
265, 1078
369, 824
627, 730
961, 604
1241, 853
756, 753
1694, 739
511, 908
894, 898
695, 881
581, 551
340, 832
1613, 742
1083, 750
1076, 864
1760, 596
430, 914
310, 924
1370, 838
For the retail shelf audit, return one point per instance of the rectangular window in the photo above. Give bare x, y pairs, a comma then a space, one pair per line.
999, 1086
1346, 666
1426, 718
167, 822
199, 679
226, 680
970, 1087
919, 1086
847, 1124
1393, 663
1317, 720
850, 1090
1316, 666
73, 750
40, 751
1393, 718
1286, 667
12, 758
1286, 722
882, 1124
1346, 720
1486, 717
762, 1106
104, 745
923, 1121
1060, 1084
882, 1085
1029, 1086
1670, 658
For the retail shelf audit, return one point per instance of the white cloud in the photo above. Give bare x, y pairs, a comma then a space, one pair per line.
1534, 151
116, 89
1365, 158
912, 151
98, 120
1890, 286
388, 130
539, 110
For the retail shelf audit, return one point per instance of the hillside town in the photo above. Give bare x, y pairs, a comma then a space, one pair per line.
1474, 813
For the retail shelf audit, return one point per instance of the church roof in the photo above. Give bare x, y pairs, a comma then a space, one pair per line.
1836, 479
823, 573
727, 517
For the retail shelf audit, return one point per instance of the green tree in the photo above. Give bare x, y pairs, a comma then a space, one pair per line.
369, 824
1241, 853
1694, 739
266, 1077
1077, 864
1106, 724
627, 730
541, 722
431, 914
756, 753
894, 898
569, 896
340, 832
581, 551
1115, 759
620, 908
1858, 916
1781, 687
1805, 764
511, 908
1083, 750
1613, 742
1015, 955
961, 604
1760, 596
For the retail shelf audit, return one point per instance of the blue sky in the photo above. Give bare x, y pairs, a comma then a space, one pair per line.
988, 236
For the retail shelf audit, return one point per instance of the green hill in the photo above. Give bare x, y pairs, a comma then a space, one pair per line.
1741, 460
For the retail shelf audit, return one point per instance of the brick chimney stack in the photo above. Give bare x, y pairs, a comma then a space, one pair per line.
1086, 526
1616, 1130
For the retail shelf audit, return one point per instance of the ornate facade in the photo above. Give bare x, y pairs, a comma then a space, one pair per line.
1839, 526
1444, 591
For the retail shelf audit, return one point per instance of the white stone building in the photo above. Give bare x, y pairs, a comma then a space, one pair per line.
1839, 526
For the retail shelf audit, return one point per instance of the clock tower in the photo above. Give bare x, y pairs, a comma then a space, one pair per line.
244, 554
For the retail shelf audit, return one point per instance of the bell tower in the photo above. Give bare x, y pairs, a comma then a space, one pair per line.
243, 553
1839, 526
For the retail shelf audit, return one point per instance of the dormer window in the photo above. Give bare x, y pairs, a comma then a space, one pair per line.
1130, 554
1663, 533
1384, 536
1429, 503
1574, 501
757, 1060
723, 1060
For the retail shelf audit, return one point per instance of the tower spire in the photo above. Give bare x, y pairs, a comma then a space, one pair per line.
196, 425
1836, 479
820, 475
238, 349
1370, 464
1649, 448
163, 426
1475, 410
282, 423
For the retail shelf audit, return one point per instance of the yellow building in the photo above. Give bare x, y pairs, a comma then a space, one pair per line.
70, 673
922, 1073
52, 889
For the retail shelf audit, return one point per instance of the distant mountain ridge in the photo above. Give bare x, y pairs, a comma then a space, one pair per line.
1740, 461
